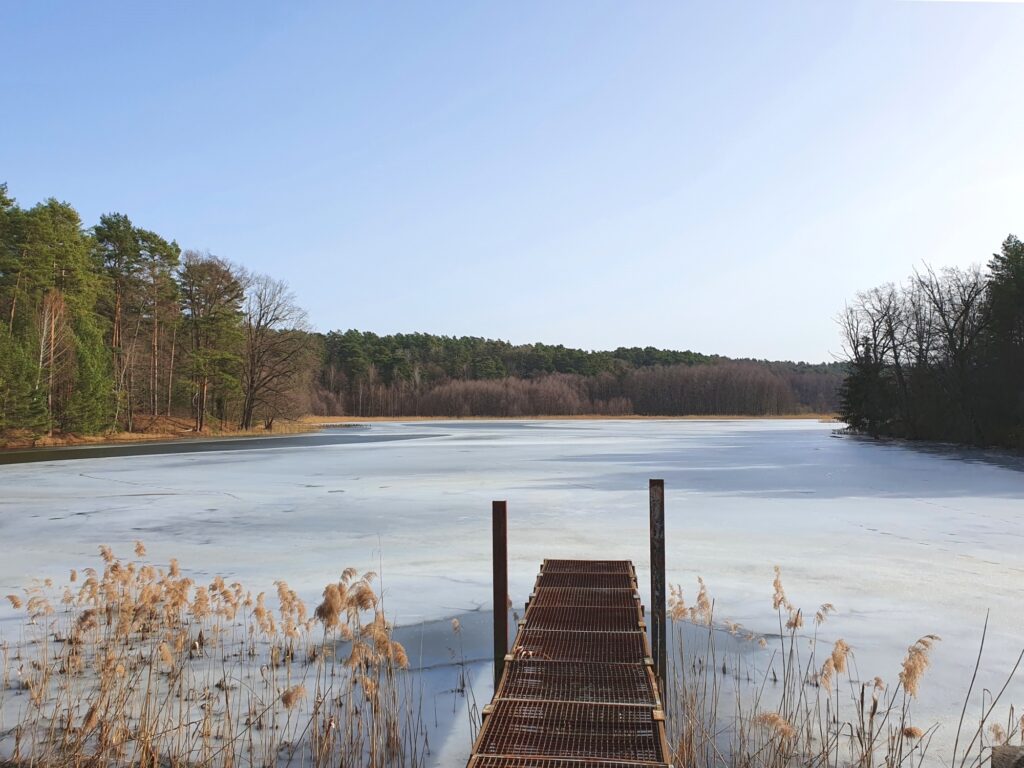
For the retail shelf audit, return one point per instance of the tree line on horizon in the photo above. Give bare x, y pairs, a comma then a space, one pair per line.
364, 374
940, 356
114, 327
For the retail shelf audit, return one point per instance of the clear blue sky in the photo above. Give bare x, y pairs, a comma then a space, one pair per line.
718, 176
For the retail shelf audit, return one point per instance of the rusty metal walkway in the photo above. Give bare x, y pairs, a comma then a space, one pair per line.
578, 688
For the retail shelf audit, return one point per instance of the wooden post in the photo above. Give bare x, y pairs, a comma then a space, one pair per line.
499, 549
1007, 757
658, 629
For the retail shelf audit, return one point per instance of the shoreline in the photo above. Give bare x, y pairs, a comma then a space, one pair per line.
340, 421
310, 438
46, 443
311, 424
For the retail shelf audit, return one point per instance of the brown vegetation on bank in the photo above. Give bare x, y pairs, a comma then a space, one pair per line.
153, 429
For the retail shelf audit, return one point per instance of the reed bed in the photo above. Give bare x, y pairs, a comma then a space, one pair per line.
808, 705
135, 664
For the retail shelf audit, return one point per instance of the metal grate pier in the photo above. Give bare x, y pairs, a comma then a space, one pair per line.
578, 690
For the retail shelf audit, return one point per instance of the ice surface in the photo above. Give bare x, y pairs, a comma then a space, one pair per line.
904, 540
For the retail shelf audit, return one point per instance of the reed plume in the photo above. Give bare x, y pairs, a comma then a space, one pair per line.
676, 602
329, 611
292, 696
916, 662
777, 723
840, 652
779, 597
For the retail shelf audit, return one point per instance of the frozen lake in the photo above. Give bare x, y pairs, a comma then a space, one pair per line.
903, 540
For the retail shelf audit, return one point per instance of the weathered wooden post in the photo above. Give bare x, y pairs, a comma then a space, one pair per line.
658, 629
499, 549
1008, 757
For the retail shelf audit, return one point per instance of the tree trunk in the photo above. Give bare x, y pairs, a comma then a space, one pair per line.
170, 372
53, 346
248, 407
14, 303
154, 382
129, 394
115, 339
201, 410
119, 364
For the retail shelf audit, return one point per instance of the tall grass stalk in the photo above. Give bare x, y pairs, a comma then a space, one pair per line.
135, 664
807, 705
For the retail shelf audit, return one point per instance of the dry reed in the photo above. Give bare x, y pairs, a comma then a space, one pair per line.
139, 665
798, 710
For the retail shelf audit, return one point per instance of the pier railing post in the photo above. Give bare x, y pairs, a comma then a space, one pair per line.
658, 629
499, 549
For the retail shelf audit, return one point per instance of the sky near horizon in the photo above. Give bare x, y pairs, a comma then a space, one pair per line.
712, 176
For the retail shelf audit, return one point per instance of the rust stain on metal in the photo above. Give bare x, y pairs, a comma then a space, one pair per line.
578, 688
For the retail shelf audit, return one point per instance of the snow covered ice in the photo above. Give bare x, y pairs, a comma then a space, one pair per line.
904, 540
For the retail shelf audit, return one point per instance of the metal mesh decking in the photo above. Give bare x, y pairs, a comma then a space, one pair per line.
589, 566
587, 580
490, 761
570, 729
570, 645
592, 618
585, 598
578, 681
577, 690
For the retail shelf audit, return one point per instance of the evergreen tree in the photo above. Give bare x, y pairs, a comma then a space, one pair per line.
1006, 366
212, 292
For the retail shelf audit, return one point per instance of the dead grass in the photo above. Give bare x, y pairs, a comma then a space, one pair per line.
809, 707
135, 664
158, 429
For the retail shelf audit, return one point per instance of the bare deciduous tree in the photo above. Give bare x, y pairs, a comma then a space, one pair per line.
277, 350
915, 351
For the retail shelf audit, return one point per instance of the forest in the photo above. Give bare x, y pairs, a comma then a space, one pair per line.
115, 328
364, 374
941, 356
